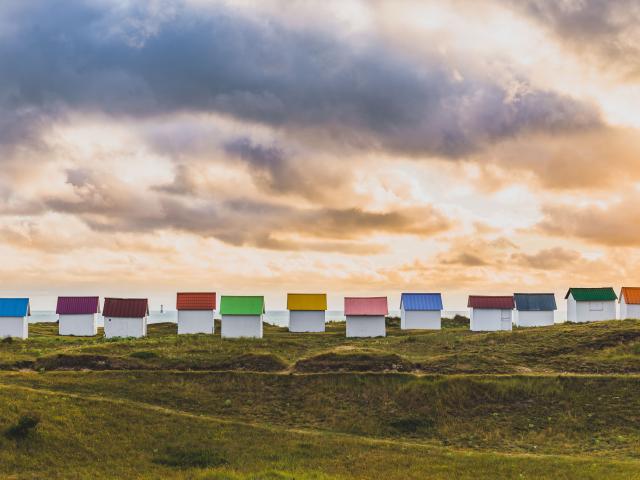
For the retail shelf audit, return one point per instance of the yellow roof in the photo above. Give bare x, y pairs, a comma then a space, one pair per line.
307, 301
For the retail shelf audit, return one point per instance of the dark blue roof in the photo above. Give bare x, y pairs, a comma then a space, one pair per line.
421, 301
14, 307
535, 302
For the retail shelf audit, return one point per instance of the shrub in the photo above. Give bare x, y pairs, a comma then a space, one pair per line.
25, 425
144, 355
8, 340
190, 458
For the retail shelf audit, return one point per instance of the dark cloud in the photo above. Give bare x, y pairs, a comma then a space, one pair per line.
102, 57
105, 204
607, 31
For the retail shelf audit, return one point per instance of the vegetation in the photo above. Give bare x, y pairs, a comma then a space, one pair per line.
557, 403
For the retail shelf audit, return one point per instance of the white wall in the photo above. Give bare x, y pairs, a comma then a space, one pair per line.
590, 311
490, 320
17, 327
125, 327
542, 318
195, 321
79, 325
420, 319
365, 326
239, 326
628, 311
306, 321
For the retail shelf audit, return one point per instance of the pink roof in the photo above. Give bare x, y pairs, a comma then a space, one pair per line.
77, 305
365, 306
491, 302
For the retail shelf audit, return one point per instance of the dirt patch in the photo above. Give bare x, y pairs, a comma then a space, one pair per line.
354, 362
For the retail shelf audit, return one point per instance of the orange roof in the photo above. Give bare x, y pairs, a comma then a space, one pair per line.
631, 295
196, 301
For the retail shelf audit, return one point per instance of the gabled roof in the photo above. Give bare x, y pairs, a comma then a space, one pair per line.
361, 306
307, 301
241, 305
78, 305
125, 307
196, 301
491, 302
421, 301
602, 294
14, 307
535, 302
631, 295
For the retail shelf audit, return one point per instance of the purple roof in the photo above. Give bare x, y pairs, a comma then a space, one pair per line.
78, 305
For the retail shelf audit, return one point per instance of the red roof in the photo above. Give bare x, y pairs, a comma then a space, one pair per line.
125, 307
78, 305
491, 302
366, 306
196, 301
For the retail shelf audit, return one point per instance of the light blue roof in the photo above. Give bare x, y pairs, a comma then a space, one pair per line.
421, 301
14, 307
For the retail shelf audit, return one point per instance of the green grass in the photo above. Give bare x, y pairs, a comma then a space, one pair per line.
606, 347
560, 402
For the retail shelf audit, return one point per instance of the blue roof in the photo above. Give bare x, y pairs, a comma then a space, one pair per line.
14, 307
421, 301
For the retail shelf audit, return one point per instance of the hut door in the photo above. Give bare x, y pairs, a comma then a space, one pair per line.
506, 319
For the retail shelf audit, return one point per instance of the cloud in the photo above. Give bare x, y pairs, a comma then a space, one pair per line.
555, 258
127, 61
606, 32
106, 204
617, 224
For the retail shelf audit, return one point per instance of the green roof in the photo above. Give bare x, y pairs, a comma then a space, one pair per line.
241, 305
604, 294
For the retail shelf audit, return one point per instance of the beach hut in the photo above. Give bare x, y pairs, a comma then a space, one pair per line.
125, 317
78, 316
195, 312
307, 311
241, 316
13, 317
366, 316
534, 309
490, 313
629, 302
591, 304
420, 311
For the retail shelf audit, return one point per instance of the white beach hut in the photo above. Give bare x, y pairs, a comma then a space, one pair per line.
420, 311
307, 311
195, 312
13, 317
591, 304
629, 302
366, 316
534, 309
490, 313
125, 317
78, 316
241, 316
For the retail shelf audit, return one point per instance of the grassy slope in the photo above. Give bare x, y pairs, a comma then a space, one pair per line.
535, 424
608, 347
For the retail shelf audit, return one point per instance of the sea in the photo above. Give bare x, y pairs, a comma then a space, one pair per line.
274, 317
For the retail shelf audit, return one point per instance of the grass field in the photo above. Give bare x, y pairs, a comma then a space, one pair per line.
558, 402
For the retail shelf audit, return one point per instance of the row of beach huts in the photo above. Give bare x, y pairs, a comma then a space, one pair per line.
242, 316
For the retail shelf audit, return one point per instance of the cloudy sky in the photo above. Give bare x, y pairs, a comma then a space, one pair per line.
346, 146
